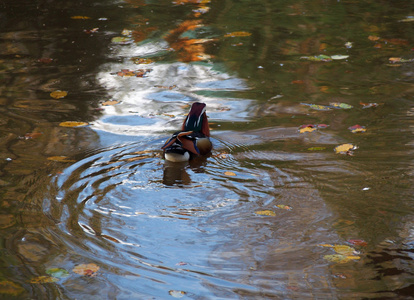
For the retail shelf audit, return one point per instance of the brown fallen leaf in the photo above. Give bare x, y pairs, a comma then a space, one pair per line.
86, 269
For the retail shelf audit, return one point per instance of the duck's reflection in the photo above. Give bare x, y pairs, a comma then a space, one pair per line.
176, 173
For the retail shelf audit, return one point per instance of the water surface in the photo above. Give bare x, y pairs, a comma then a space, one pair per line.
102, 194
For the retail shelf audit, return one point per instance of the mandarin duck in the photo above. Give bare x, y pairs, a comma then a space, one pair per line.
193, 139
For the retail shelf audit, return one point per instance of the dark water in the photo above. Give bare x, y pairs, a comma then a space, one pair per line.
340, 226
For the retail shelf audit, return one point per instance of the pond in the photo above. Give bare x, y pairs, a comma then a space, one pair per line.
308, 191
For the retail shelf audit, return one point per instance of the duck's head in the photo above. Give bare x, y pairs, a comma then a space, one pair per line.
196, 120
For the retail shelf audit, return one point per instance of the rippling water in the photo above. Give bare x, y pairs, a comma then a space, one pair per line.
267, 214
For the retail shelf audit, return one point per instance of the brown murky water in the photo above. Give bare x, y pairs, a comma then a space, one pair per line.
95, 212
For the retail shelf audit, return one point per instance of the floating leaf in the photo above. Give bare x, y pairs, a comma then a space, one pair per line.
80, 17
32, 135
408, 19
373, 38
45, 60
73, 124
317, 106
339, 258
166, 87
11, 288
177, 294
316, 148
345, 149
61, 159
357, 128
298, 82
110, 102
356, 242
90, 31
142, 61
307, 129
137, 73
368, 105
265, 213
168, 115
394, 60
339, 105
44, 279
324, 58
338, 57
238, 34
228, 173
348, 44
122, 40
281, 206
344, 250
57, 272
126, 32
86, 269
58, 94
322, 126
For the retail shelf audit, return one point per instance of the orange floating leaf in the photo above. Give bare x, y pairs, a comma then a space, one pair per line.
281, 206
238, 34
110, 102
80, 17
228, 173
73, 124
63, 159
373, 38
58, 94
32, 135
86, 269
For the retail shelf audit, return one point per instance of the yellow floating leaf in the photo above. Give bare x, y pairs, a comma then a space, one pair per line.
265, 213
353, 257
228, 173
326, 245
44, 279
344, 250
316, 148
86, 269
307, 129
237, 34
73, 124
60, 159
80, 17
58, 94
339, 258
345, 149
11, 288
110, 102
